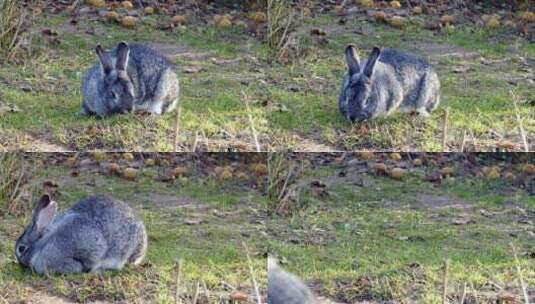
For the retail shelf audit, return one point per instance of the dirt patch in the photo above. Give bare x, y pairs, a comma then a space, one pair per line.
173, 202
438, 202
324, 300
306, 144
442, 50
28, 143
172, 51
39, 297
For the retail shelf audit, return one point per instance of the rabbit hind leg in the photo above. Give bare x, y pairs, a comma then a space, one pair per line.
139, 252
428, 97
166, 95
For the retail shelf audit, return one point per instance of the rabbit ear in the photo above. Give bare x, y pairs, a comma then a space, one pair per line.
104, 59
353, 60
44, 212
123, 52
370, 64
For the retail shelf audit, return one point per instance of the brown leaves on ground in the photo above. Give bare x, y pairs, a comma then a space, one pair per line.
166, 15
435, 16
517, 170
246, 170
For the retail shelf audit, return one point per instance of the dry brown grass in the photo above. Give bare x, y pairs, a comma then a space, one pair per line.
15, 20
13, 182
283, 189
283, 20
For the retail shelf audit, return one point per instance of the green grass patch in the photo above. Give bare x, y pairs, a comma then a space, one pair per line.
198, 220
379, 239
47, 91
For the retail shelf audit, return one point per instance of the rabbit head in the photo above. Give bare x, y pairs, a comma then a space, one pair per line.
116, 91
358, 89
43, 214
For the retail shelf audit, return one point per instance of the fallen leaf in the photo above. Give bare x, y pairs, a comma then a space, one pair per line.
239, 296
317, 32
193, 70
462, 221
461, 69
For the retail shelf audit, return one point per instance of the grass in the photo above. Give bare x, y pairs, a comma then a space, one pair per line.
479, 99
212, 103
378, 239
292, 107
221, 217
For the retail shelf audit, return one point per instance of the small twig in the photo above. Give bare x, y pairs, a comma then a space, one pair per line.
251, 271
281, 194
3, 300
445, 281
522, 284
177, 128
519, 120
196, 295
205, 140
464, 141
251, 123
445, 130
464, 294
195, 142
177, 281
474, 139
74, 4
206, 291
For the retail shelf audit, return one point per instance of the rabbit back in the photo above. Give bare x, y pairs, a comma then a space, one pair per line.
286, 288
405, 82
97, 233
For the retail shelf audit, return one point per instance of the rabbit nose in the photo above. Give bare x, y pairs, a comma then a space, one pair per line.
356, 117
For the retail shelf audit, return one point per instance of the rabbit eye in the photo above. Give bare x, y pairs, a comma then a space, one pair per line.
22, 249
113, 95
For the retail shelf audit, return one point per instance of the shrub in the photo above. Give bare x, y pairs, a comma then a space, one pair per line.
14, 24
13, 183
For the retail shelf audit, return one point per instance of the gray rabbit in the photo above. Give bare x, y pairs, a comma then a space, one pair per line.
286, 288
130, 78
97, 233
389, 80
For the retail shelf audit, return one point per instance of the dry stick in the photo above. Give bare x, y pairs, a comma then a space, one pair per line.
464, 141
196, 294
251, 271
3, 299
75, 4
177, 281
464, 294
251, 123
205, 140
445, 282
474, 139
517, 113
445, 130
206, 291
474, 290
195, 142
281, 194
522, 284
177, 127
